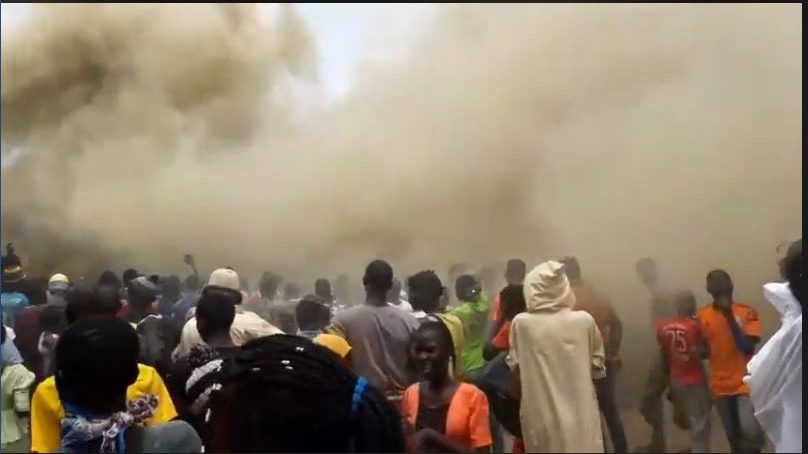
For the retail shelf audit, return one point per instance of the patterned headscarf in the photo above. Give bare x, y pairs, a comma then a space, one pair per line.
79, 428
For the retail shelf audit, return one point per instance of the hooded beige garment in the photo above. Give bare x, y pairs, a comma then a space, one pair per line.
558, 352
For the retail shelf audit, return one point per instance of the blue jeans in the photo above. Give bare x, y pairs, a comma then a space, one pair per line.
742, 428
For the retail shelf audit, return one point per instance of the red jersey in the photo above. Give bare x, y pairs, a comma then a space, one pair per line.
679, 338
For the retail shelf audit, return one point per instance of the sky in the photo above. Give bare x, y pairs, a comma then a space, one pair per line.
346, 34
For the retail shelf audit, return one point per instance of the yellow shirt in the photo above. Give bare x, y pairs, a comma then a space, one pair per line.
47, 411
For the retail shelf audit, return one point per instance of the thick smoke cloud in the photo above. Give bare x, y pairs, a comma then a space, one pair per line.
610, 131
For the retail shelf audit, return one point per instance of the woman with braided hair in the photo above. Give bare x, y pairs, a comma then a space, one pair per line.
284, 393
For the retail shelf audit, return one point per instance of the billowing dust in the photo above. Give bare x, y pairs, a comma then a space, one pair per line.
611, 132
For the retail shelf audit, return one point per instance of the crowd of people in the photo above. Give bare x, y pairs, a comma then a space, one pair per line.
151, 363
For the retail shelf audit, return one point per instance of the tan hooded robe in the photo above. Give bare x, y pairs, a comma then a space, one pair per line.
558, 352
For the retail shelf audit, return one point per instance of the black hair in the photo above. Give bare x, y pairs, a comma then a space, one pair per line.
685, 302
322, 288
129, 274
2, 334
312, 313
234, 296
268, 284
572, 268
465, 283
378, 277
96, 360
515, 267
52, 318
215, 313
442, 331
792, 268
427, 289
108, 277
138, 297
11, 259
83, 302
170, 286
314, 388
716, 277
512, 301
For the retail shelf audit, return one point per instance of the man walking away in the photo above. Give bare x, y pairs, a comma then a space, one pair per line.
611, 329
557, 353
378, 334
657, 382
682, 348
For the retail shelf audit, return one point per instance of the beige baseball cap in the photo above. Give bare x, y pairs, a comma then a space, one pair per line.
225, 278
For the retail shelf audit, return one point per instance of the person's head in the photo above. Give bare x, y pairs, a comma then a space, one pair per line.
572, 268
109, 278
52, 318
170, 287
512, 301
791, 268
84, 303
215, 313
719, 284
268, 285
431, 348
378, 278
685, 303
515, 271
109, 296
191, 284
394, 294
322, 288
325, 407
291, 291
647, 272
58, 284
225, 281
467, 288
96, 361
129, 274
425, 290
312, 313
141, 292
489, 278
342, 288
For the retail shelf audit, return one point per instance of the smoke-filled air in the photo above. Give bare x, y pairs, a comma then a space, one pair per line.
611, 132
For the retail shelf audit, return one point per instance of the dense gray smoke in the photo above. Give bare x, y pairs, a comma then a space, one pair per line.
609, 131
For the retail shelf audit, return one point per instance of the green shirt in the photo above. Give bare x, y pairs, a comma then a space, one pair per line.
474, 316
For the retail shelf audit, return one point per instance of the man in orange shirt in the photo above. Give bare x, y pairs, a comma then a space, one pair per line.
611, 329
732, 330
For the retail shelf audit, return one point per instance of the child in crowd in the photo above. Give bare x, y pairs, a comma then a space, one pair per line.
682, 346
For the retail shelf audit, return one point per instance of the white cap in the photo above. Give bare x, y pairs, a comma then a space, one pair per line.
225, 278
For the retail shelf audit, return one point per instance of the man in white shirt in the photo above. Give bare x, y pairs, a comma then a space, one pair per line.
246, 325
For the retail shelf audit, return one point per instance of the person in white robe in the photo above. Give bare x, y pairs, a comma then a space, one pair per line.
556, 352
775, 372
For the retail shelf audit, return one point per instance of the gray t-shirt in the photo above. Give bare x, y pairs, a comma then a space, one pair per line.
379, 337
